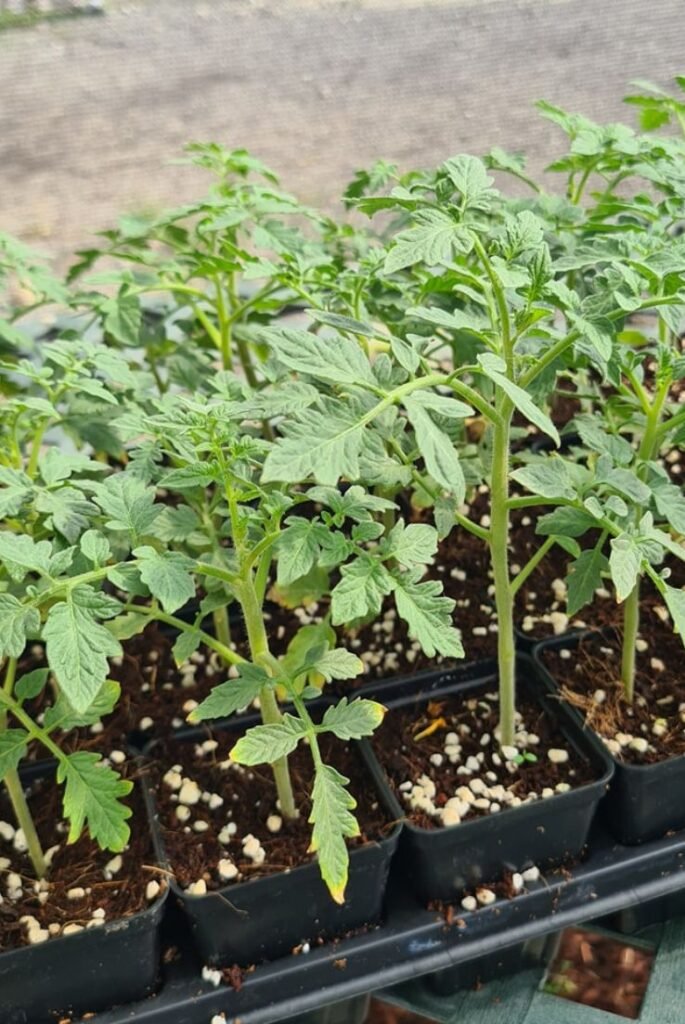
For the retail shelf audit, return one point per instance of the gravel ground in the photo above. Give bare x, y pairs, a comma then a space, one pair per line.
94, 110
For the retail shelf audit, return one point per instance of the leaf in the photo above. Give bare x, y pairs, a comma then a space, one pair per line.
168, 576
624, 564
437, 449
433, 240
264, 744
123, 318
234, 695
595, 437
326, 447
675, 602
339, 664
18, 622
428, 614
70, 512
21, 554
549, 478
95, 547
568, 522
187, 478
495, 368
128, 503
450, 408
337, 359
13, 744
342, 323
670, 502
360, 592
92, 798
61, 715
16, 489
177, 524
411, 545
297, 549
333, 823
585, 576
470, 177
352, 721
78, 646
31, 684
405, 354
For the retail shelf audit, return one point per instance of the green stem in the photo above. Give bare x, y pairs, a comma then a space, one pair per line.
36, 442
222, 626
271, 715
20, 807
530, 566
214, 644
499, 555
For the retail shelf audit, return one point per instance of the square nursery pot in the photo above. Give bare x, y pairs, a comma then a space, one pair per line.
645, 801
249, 922
84, 973
441, 863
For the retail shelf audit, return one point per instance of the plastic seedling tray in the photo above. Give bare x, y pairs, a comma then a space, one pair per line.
414, 941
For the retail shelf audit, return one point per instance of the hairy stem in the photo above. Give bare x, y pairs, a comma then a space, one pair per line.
15, 791
499, 556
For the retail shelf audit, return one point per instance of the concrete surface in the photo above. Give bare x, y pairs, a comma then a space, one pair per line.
93, 110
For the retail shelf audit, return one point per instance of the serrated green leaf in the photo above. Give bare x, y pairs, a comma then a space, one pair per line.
595, 437
470, 177
78, 646
61, 715
624, 564
549, 478
495, 368
342, 323
21, 554
13, 744
628, 484
17, 623
433, 240
411, 545
428, 614
670, 502
566, 521
185, 644
585, 576
167, 574
95, 547
450, 408
234, 695
437, 449
264, 744
338, 664
297, 550
187, 478
337, 359
15, 489
405, 353
92, 799
123, 318
352, 721
128, 502
69, 511
177, 524
360, 592
325, 447
333, 823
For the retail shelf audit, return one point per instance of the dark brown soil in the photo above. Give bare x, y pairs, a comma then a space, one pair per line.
80, 865
598, 970
409, 737
657, 713
249, 797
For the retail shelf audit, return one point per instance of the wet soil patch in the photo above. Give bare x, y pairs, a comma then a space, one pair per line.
82, 888
601, 971
236, 813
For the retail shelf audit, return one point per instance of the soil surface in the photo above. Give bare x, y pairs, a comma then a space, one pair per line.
82, 889
96, 109
446, 764
215, 834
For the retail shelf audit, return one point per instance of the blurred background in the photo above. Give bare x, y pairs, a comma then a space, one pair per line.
98, 97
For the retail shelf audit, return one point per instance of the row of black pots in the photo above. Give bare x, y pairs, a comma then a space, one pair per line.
266, 918
439, 864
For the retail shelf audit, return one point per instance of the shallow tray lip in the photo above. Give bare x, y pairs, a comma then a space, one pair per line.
670, 764
388, 843
581, 794
154, 910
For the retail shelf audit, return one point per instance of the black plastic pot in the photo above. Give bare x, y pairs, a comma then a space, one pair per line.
443, 862
266, 918
645, 801
92, 970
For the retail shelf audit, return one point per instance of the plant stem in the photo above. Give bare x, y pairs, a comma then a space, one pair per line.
271, 715
222, 626
22, 814
649, 447
499, 556
530, 566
